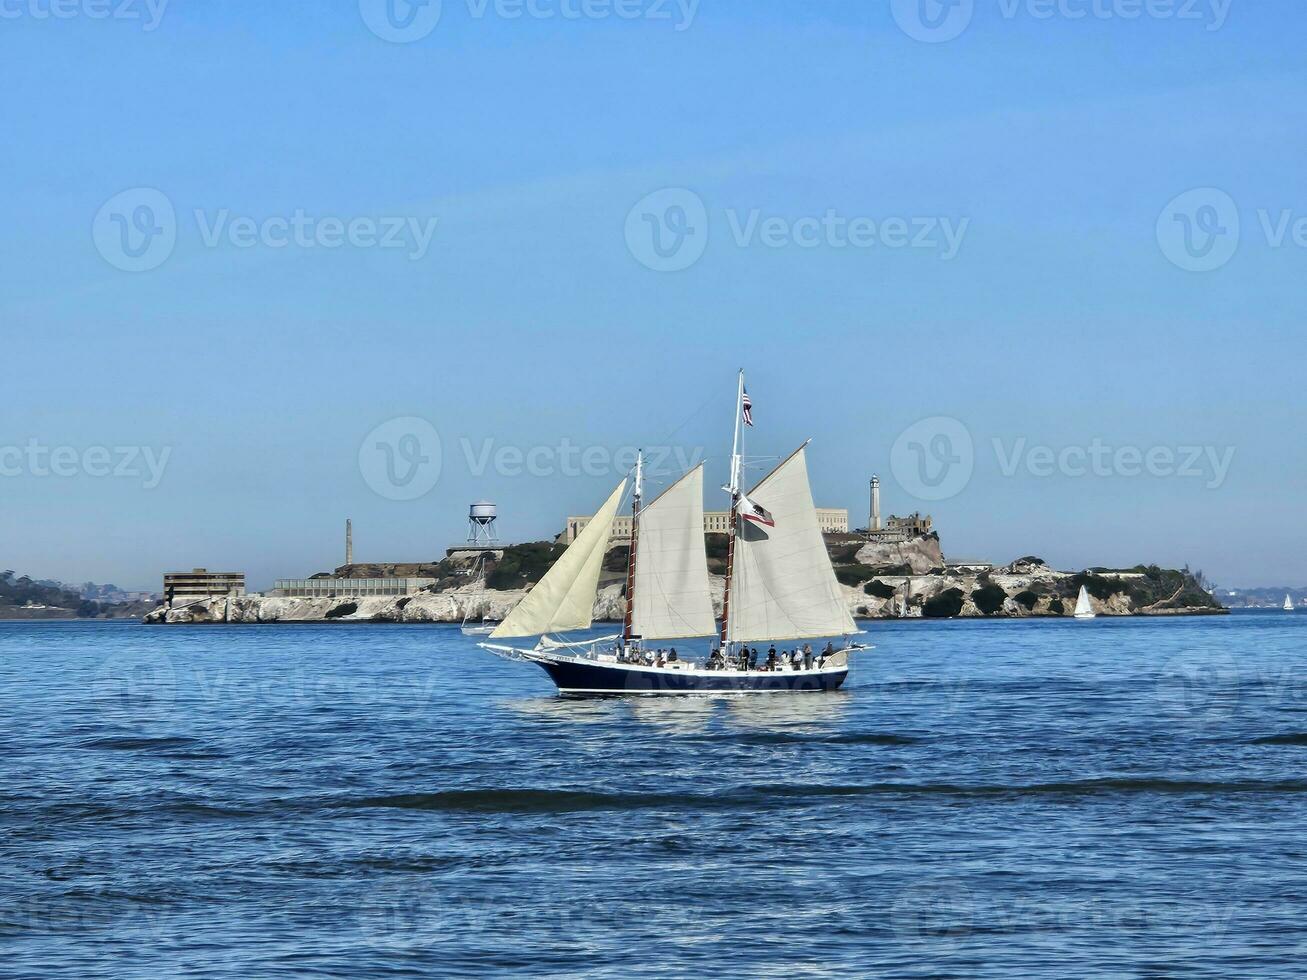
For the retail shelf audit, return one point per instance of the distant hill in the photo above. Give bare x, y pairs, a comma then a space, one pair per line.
22, 597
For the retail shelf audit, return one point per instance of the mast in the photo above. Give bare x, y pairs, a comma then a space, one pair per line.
636, 494
733, 488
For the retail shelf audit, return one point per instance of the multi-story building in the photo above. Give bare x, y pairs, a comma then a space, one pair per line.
832, 520
330, 588
200, 583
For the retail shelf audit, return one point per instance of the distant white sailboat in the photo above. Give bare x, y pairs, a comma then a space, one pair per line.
1288, 603
1083, 609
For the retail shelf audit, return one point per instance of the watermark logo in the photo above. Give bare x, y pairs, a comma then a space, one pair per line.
936, 21
401, 459
401, 21
933, 21
1211, 464
136, 230
933, 910
1202, 690
148, 12
36, 459
135, 688
667, 231
933, 459
1199, 230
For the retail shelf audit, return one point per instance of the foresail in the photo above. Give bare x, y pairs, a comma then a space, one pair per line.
564, 598
783, 586
671, 597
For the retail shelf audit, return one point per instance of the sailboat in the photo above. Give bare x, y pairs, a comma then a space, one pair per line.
485, 626
780, 587
1083, 609
1288, 603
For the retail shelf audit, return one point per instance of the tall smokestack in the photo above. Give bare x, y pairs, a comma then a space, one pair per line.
349, 541
875, 504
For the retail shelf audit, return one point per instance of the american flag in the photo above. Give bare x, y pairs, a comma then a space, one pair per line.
747, 404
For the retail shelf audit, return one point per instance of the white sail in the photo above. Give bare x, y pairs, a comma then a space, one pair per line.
1288, 603
564, 598
1083, 608
783, 586
671, 597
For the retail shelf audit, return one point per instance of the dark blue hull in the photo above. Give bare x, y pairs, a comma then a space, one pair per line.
589, 679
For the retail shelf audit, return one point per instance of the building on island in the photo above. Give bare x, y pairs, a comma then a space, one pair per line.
895, 530
200, 583
832, 520
968, 566
328, 587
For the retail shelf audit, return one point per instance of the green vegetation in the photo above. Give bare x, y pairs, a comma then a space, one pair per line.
19, 592
844, 554
854, 574
881, 590
1056, 607
344, 609
523, 564
1027, 598
944, 605
988, 598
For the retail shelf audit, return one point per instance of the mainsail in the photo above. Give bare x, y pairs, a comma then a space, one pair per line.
671, 597
1083, 608
564, 599
783, 586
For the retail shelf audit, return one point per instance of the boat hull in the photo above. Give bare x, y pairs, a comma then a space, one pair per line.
589, 679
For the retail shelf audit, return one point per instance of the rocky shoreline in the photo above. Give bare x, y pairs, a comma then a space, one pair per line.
902, 581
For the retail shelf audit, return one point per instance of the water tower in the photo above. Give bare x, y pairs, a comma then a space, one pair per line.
481, 531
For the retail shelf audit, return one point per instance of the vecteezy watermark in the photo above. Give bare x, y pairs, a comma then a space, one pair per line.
936, 21
934, 459
1211, 464
1201, 230
401, 459
137, 230
569, 459
400, 21
945, 911
36, 459
668, 230
406, 21
148, 12
1200, 689
135, 687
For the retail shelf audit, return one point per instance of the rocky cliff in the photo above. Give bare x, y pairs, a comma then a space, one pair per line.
878, 581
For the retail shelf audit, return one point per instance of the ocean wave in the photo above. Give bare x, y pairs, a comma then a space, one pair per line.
762, 796
1291, 738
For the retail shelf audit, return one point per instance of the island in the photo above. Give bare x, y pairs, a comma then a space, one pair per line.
898, 579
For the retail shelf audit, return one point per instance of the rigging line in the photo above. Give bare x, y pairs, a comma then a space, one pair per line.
711, 399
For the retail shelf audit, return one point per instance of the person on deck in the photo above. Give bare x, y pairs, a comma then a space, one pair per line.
807, 656
753, 659
771, 660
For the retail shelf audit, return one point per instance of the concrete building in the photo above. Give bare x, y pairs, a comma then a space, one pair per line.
200, 583
832, 520
895, 530
330, 588
900, 529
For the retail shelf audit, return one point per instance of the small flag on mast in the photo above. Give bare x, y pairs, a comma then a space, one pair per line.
749, 511
746, 404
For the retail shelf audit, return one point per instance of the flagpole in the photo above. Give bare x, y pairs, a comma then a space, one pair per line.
734, 490
636, 496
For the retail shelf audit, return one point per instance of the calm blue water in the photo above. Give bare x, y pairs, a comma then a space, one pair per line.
1121, 797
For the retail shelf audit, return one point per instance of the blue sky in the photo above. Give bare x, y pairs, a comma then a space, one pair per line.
529, 314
